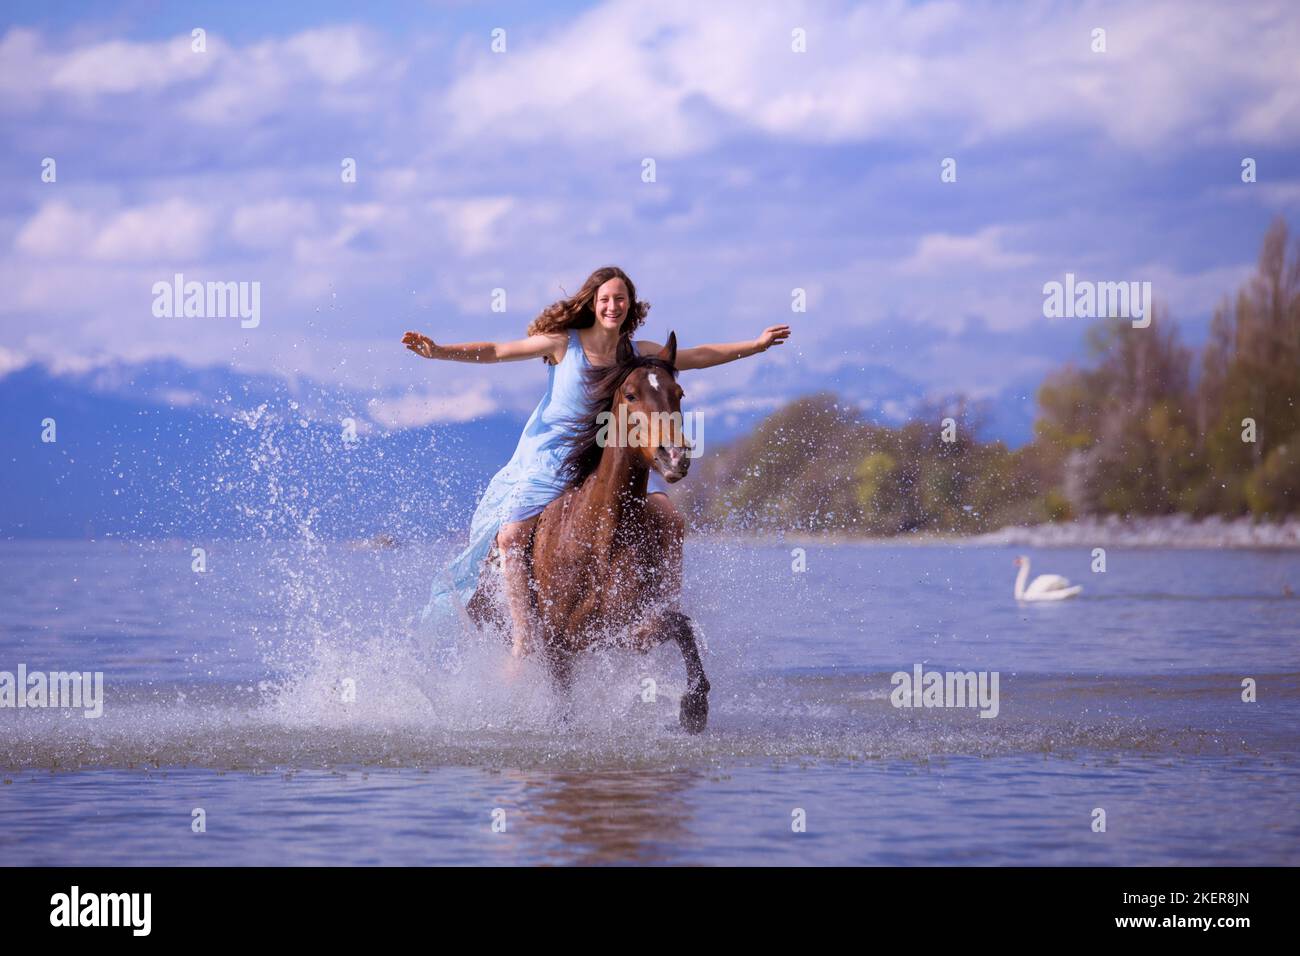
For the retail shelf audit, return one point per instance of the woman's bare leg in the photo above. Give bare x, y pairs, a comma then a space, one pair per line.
668, 518
512, 540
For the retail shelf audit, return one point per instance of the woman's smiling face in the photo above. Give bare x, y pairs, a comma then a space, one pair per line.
611, 304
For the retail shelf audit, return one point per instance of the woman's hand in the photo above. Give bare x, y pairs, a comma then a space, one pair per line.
421, 345
772, 335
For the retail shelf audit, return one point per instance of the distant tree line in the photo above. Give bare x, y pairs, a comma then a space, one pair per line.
1150, 429
1147, 427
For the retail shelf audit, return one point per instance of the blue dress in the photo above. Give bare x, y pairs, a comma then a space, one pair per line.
523, 488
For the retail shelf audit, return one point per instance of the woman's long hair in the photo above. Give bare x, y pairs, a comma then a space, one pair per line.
578, 312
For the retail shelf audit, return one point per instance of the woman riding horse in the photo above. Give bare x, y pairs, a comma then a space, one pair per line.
572, 335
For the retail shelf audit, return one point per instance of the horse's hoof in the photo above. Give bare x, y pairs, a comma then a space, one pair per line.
695, 711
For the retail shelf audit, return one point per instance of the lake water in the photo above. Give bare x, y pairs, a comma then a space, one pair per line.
230, 690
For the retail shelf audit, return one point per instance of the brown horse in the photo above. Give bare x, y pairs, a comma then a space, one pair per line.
600, 561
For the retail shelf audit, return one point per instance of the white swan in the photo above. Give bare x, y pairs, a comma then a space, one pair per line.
1045, 587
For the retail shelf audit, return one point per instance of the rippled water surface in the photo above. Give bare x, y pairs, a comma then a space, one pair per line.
231, 691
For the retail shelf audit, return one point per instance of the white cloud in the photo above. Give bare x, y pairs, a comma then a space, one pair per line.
471, 223
57, 230
71, 363
742, 403
237, 85
180, 398
1277, 194
119, 66
168, 229
272, 223
677, 77
334, 55
30, 70
977, 370
11, 360
313, 67
412, 411
22, 64
1187, 293
938, 252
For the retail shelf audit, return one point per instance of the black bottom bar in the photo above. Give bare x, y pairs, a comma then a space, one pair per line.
335, 905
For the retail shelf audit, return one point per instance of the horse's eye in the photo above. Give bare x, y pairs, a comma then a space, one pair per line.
629, 396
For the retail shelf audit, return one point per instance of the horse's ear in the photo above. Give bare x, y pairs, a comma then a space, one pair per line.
625, 351
669, 352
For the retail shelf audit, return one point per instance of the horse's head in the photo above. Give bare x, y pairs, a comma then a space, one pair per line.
650, 400
635, 403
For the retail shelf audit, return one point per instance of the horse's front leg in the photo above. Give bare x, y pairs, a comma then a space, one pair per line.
667, 525
673, 625
695, 702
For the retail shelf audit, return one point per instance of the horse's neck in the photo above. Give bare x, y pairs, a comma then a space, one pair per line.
618, 481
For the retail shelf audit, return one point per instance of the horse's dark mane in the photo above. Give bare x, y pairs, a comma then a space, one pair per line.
602, 382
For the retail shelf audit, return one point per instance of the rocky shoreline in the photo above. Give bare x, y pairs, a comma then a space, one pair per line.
1165, 531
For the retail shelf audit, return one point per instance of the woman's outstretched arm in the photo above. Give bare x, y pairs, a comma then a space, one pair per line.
707, 356
535, 346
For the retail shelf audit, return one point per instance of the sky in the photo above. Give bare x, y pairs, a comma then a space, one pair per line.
522, 168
